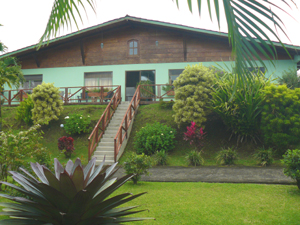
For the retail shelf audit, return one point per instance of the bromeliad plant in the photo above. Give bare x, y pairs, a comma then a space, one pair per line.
71, 196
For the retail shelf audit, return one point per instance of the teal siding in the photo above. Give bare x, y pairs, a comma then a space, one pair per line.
74, 76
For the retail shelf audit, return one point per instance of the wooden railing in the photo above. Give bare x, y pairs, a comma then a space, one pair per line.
104, 120
127, 120
69, 95
151, 93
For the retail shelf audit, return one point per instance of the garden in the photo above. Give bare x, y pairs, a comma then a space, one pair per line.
215, 120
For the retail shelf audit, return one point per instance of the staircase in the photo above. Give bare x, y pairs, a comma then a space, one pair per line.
106, 144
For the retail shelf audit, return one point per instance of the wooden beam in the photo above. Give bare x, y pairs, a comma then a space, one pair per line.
82, 52
36, 60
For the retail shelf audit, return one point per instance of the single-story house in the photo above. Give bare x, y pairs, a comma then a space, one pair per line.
127, 50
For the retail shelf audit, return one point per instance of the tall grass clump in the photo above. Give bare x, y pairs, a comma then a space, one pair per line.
239, 104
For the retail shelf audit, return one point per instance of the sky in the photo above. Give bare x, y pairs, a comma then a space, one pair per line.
24, 21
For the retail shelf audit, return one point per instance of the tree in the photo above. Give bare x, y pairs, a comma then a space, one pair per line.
247, 26
11, 75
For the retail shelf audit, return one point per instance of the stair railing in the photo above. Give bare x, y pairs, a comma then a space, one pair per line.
104, 120
127, 120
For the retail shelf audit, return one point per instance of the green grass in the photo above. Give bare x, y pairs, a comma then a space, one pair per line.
208, 203
53, 131
217, 136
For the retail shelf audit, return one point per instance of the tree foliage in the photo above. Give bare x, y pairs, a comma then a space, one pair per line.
192, 94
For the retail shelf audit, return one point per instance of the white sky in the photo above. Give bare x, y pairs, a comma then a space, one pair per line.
25, 20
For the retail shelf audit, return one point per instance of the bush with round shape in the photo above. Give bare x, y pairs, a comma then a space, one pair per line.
280, 122
291, 160
77, 124
24, 111
194, 158
192, 94
47, 103
72, 195
290, 79
226, 156
138, 165
154, 137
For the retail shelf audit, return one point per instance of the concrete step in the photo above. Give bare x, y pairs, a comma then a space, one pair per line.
105, 148
107, 162
104, 139
106, 144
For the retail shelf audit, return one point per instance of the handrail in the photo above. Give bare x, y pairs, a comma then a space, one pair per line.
80, 95
156, 94
104, 120
128, 117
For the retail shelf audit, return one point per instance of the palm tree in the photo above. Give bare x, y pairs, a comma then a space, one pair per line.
247, 27
11, 75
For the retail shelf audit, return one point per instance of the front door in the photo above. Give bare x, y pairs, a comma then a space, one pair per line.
133, 78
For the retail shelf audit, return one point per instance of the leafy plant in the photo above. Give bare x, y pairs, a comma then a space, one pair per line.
72, 195
194, 158
161, 158
192, 94
138, 165
240, 110
166, 104
291, 159
226, 156
77, 124
280, 122
194, 135
290, 78
47, 103
16, 147
24, 111
42, 156
168, 87
147, 90
66, 144
264, 156
154, 137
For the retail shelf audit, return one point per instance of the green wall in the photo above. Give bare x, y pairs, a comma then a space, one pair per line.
74, 76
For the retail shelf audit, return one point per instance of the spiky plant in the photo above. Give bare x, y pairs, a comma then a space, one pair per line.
71, 196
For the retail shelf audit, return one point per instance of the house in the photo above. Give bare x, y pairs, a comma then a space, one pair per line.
127, 50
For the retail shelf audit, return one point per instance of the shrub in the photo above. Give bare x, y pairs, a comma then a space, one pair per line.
192, 94
290, 78
240, 110
66, 145
264, 156
291, 159
154, 137
194, 158
161, 158
280, 122
42, 157
194, 135
16, 146
166, 104
76, 124
226, 156
138, 165
72, 195
47, 103
24, 111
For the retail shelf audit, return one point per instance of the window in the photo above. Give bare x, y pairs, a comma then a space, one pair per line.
98, 79
173, 74
256, 69
31, 81
133, 48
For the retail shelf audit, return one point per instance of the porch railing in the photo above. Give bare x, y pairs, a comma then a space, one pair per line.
69, 95
104, 120
127, 120
151, 93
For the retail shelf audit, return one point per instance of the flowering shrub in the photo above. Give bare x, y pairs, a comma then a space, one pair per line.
154, 137
66, 145
16, 147
76, 124
194, 135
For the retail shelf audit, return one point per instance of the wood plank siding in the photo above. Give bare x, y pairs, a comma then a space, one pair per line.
156, 45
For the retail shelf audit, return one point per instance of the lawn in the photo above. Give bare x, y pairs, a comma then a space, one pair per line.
211, 203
